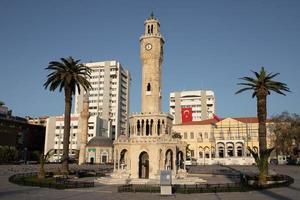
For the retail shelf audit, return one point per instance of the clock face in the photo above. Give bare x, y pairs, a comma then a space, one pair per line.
148, 46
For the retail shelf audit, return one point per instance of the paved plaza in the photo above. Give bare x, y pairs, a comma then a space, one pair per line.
12, 191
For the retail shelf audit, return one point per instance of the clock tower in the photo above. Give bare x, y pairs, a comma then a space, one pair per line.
149, 147
151, 44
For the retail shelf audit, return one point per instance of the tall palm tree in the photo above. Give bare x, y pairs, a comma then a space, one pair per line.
68, 74
262, 85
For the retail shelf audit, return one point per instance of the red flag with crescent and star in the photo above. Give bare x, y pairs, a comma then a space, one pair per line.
216, 117
186, 115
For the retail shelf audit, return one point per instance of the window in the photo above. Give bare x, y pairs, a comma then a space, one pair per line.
206, 135
148, 87
192, 153
206, 154
185, 135
192, 135
230, 151
200, 135
200, 154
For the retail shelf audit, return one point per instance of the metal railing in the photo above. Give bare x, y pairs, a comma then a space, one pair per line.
245, 184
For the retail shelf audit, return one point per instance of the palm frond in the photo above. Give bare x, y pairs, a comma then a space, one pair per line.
263, 83
243, 89
68, 72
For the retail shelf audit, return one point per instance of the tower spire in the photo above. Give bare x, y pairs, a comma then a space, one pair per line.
151, 15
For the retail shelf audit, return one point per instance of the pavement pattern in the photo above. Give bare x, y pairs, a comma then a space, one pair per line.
11, 191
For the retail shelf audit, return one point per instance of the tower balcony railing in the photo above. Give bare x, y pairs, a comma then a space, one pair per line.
152, 35
150, 113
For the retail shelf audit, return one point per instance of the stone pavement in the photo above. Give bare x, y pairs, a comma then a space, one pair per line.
14, 192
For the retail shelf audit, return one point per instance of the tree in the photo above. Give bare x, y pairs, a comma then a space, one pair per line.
176, 135
43, 160
262, 85
68, 74
286, 138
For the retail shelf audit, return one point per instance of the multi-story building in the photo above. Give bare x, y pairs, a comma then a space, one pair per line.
55, 131
202, 103
16, 132
225, 141
109, 96
108, 108
37, 120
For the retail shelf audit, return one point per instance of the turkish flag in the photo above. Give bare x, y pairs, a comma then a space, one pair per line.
186, 115
216, 117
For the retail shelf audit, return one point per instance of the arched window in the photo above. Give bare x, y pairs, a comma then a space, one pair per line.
147, 128
200, 154
151, 28
104, 157
158, 127
239, 151
169, 160
138, 126
221, 147
206, 152
230, 149
148, 29
148, 87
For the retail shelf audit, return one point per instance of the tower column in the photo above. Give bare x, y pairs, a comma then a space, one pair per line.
84, 117
151, 51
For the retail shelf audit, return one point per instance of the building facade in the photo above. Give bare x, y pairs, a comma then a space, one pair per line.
221, 142
37, 120
55, 131
108, 109
202, 103
109, 95
149, 147
17, 133
99, 150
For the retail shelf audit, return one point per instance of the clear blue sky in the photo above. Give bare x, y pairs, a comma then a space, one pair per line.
209, 45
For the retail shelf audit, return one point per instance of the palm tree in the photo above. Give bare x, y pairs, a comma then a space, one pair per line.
68, 74
262, 85
43, 159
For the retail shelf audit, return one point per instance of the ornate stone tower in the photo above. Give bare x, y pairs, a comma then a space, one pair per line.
151, 49
149, 147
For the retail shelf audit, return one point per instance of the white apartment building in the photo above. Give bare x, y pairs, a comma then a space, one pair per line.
55, 131
109, 96
108, 107
202, 103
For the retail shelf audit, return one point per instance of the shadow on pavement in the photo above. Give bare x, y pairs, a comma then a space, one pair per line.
273, 195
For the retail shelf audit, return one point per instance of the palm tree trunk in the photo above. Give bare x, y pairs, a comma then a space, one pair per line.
41, 174
262, 130
67, 120
262, 118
